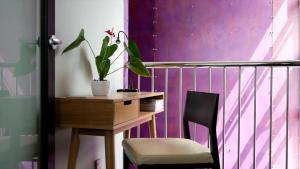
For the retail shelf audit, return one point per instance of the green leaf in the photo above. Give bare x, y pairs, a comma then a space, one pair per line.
134, 49
127, 49
102, 61
103, 66
135, 63
137, 66
111, 50
104, 69
105, 53
80, 38
98, 63
104, 45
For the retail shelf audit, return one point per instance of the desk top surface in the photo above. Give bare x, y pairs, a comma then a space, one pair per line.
114, 97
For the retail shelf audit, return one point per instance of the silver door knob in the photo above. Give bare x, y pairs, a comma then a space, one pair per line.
54, 42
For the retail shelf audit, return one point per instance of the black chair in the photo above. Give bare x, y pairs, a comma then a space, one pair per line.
177, 153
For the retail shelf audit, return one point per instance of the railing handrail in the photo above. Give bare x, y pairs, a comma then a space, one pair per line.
257, 80
221, 64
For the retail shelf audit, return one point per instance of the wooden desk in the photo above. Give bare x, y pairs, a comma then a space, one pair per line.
103, 116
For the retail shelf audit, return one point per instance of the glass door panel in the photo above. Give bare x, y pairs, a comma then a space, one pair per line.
19, 84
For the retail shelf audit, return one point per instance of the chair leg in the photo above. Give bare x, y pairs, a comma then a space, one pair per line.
126, 162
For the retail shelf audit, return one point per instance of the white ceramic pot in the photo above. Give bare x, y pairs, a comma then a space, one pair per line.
100, 88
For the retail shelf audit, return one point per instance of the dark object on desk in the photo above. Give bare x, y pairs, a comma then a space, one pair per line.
130, 89
127, 90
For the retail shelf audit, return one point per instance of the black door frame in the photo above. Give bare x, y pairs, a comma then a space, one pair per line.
47, 123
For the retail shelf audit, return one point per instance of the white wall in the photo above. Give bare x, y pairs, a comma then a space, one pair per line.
74, 74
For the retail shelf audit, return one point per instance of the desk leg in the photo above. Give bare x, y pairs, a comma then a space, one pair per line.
110, 149
74, 147
152, 127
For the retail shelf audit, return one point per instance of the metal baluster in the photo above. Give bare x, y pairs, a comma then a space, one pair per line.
180, 103
239, 118
195, 89
166, 100
287, 116
152, 80
209, 79
254, 120
138, 129
298, 118
224, 113
139, 83
209, 88
271, 118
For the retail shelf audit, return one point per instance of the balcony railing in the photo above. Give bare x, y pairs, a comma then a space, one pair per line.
224, 66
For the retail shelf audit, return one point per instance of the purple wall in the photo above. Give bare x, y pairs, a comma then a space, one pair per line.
206, 30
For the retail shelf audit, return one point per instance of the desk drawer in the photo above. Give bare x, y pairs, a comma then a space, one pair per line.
126, 110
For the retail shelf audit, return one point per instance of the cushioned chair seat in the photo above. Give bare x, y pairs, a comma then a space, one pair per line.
166, 151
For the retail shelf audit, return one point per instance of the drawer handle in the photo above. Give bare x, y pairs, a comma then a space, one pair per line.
127, 102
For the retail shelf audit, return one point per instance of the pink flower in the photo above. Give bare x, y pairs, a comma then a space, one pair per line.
111, 33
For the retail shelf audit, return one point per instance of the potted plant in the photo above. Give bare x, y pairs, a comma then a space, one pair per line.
103, 59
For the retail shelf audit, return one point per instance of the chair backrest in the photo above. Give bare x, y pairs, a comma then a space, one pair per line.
202, 108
